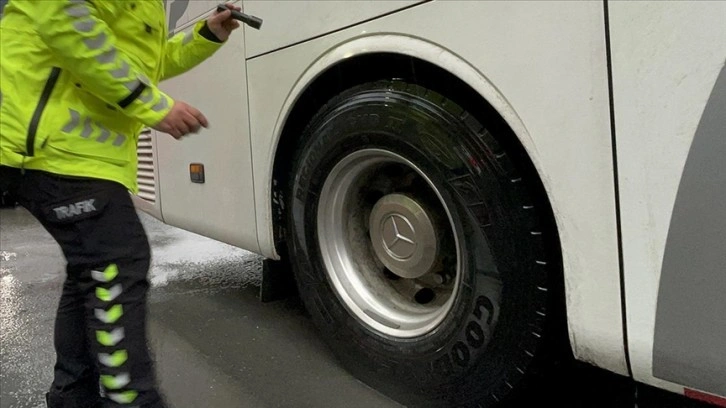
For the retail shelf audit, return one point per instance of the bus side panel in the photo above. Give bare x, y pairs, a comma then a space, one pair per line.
222, 207
289, 22
670, 109
544, 66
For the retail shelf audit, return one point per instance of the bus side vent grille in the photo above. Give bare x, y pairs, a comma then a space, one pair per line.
145, 174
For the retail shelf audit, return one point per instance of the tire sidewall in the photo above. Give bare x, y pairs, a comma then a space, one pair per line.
471, 352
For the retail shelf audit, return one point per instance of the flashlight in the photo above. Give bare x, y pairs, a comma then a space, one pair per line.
252, 21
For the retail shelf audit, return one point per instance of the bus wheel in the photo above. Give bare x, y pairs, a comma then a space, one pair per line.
417, 247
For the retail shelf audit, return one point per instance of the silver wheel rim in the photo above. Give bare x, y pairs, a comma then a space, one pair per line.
392, 257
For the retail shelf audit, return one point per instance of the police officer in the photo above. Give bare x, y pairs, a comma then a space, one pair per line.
78, 81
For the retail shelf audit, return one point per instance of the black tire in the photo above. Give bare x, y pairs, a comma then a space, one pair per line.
484, 346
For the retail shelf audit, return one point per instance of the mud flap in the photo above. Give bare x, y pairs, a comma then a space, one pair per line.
278, 282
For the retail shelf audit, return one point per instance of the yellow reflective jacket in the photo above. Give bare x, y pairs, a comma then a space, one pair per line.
78, 82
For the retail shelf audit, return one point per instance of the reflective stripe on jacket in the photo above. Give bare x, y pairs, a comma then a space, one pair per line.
78, 82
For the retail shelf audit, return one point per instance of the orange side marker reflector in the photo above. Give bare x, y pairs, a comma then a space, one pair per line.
196, 173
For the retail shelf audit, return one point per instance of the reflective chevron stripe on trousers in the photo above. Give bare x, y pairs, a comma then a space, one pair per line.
100, 328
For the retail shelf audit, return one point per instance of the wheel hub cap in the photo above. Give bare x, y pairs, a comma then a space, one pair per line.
403, 236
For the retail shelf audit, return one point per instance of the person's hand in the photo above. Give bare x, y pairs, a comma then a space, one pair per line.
182, 120
222, 24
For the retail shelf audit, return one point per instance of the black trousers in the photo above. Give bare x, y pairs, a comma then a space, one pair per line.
100, 327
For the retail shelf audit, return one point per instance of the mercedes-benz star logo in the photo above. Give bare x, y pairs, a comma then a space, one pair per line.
398, 237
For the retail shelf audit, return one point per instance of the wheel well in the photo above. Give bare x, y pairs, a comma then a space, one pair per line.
377, 66
382, 66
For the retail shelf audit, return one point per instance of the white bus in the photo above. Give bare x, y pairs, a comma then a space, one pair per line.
464, 189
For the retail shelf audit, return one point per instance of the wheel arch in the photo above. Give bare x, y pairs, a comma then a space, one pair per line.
380, 57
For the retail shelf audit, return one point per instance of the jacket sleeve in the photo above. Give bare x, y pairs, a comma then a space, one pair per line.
185, 51
86, 47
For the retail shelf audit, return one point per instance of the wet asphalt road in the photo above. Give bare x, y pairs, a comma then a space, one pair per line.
216, 345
